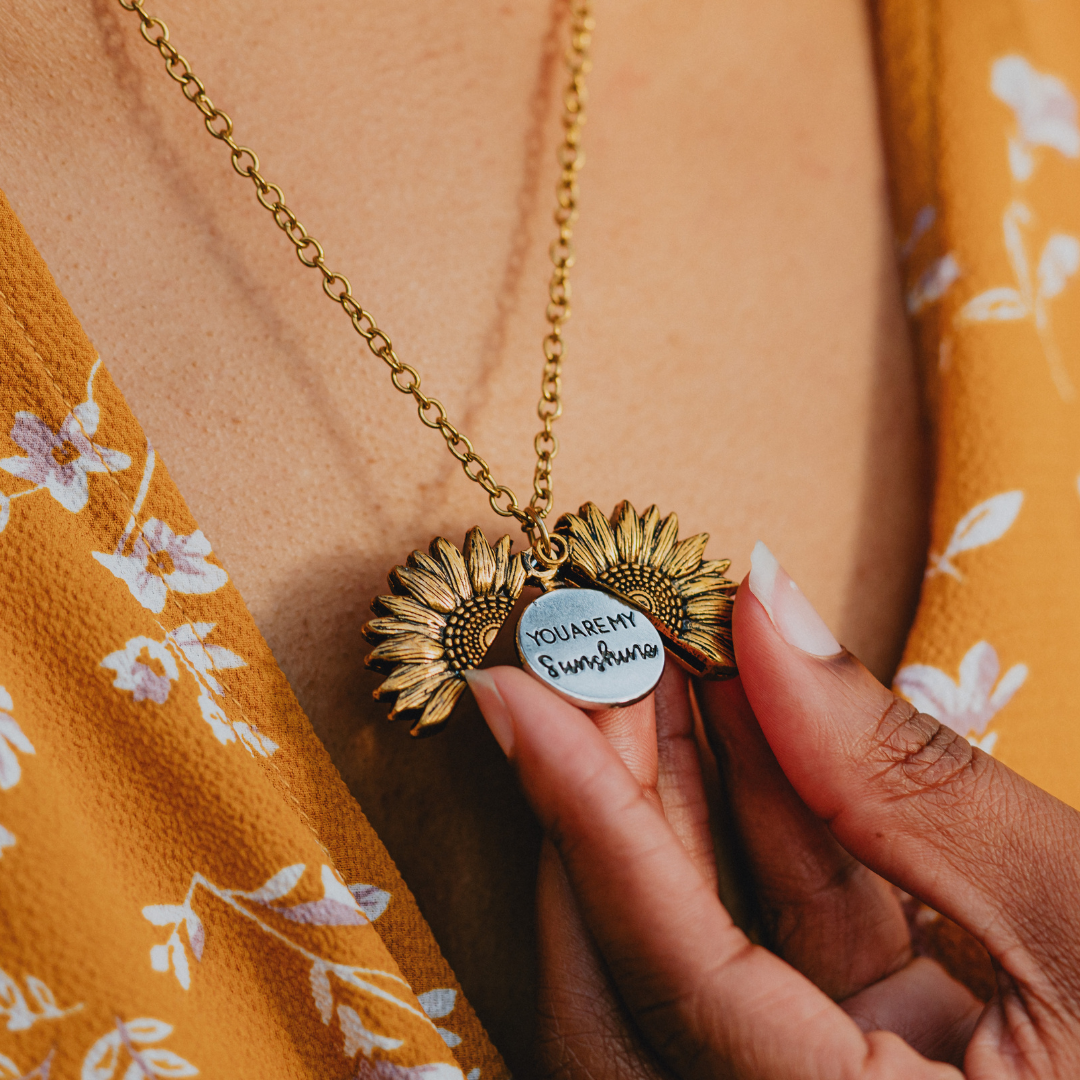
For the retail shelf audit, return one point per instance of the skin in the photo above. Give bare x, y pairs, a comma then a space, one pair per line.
737, 350
645, 975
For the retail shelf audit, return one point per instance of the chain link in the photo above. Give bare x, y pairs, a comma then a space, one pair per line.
405, 378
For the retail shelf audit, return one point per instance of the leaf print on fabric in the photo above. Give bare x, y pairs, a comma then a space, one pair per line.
337, 908
933, 283
920, 226
1059, 261
969, 705
387, 1070
59, 462
21, 1014
161, 560
144, 666
372, 901
1044, 108
12, 738
10, 1071
190, 639
981, 525
131, 1042
357, 1037
437, 1004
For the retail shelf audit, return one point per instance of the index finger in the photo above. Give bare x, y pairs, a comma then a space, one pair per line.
710, 1003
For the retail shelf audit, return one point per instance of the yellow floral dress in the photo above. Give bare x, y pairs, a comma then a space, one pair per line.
186, 886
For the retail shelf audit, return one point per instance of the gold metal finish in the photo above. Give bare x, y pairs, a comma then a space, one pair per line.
446, 611
641, 561
406, 378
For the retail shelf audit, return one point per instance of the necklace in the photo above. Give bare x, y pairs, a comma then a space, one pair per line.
617, 593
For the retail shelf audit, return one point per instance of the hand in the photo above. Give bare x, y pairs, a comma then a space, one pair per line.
838, 788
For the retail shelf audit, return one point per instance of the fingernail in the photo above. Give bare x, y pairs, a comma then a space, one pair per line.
492, 706
791, 613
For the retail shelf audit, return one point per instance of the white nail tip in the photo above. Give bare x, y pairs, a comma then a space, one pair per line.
790, 612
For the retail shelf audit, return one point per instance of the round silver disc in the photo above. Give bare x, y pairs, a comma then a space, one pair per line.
591, 649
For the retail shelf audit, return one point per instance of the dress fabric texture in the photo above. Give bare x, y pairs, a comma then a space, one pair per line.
187, 887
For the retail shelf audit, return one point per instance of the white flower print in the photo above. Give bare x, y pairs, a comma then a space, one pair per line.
59, 461
145, 667
990, 520
148, 668
160, 560
1059, 261
969, 705
7, 839
1045, 112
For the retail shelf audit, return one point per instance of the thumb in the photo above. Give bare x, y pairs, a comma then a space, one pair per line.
907, 796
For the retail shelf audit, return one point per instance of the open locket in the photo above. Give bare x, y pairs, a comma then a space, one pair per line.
622, 592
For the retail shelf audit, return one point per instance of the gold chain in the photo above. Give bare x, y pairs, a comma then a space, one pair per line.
336, 286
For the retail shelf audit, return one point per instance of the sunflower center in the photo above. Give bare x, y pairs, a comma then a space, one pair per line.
647, 588
472, 628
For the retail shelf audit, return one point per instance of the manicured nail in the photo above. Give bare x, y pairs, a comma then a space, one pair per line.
494, 709
791, 613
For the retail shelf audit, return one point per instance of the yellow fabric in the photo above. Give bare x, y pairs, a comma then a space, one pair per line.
980, 112
186, 886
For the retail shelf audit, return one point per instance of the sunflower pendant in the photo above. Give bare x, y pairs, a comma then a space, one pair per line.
627, 590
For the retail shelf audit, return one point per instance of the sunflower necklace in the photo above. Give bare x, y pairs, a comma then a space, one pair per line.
616, 592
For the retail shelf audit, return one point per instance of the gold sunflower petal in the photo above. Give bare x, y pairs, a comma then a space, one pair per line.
585, 550
480, 560
502, 564
416, 697
701, 584
628, 533
453, 565
717, 647
405, 649
515, 576
650, 522
665, 541
686, 556
425, 587
709, 604
376, 629
439, 708
420, 561
405, 607
715, 566
601, 529
407, 676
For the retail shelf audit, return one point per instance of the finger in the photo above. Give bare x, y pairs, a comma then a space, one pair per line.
899, 1004
707, 1000
583, 1027
631, 730
830, 917
904, 794
680, 783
